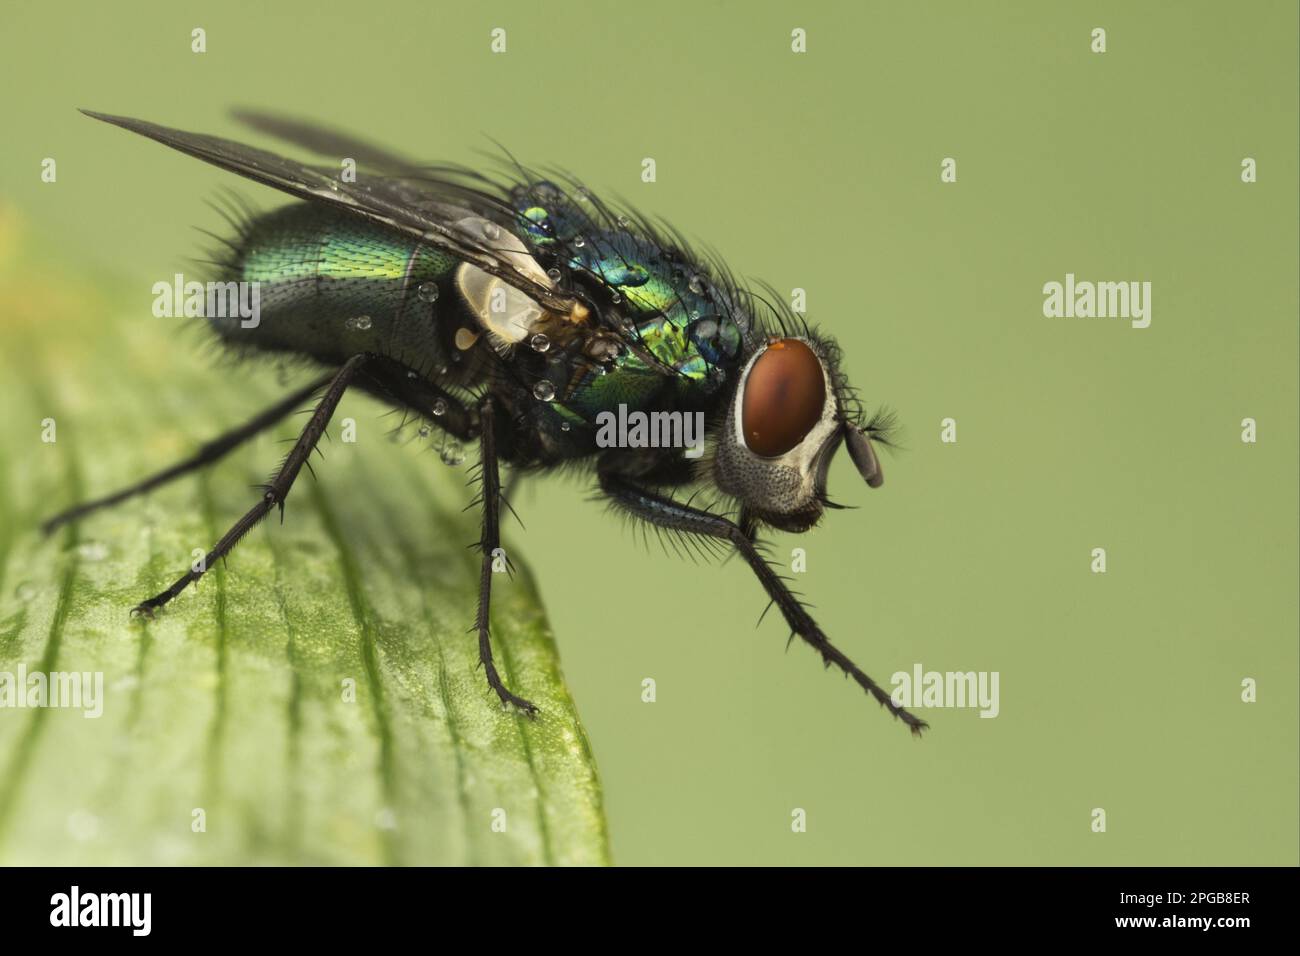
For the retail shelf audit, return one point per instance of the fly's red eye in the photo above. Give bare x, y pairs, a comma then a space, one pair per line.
784, 396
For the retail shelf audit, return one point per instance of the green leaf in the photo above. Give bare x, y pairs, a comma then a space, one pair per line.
233, 707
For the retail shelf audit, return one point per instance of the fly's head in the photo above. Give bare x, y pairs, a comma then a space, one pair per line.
790, 412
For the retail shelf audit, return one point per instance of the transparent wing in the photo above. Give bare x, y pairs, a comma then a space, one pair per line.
467, 223
324, 141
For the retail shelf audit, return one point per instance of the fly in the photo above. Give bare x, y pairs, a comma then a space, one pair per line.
520, 315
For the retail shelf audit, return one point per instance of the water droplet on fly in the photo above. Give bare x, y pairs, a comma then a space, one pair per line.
696, 285
553, 275
424, 431
565, 426
452, 453
359, 323
439, 407
623, 222
579, 242
539, 342
543, 391
411, 374
427, 291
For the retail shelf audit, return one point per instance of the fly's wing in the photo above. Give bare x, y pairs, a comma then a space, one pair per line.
471, 225
327, 142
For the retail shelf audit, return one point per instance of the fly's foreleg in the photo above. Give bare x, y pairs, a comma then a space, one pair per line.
489, 542
276, 490
667, 513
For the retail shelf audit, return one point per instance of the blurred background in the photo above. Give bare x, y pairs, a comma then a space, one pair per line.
821, 171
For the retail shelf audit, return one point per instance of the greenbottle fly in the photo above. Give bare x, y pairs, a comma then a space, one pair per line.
513, 312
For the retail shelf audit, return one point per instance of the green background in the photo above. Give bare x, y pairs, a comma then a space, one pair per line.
821, 171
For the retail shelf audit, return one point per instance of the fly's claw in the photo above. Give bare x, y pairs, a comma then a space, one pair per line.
510, 700
145, 609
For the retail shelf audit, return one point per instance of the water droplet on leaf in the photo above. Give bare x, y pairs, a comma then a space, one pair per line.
92, 551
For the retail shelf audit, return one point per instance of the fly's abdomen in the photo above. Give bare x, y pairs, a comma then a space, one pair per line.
330, 285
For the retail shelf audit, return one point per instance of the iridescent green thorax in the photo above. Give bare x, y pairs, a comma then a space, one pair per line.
685, 324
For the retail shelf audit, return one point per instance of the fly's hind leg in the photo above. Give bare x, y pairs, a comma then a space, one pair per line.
276, 490
489, 542
209, 453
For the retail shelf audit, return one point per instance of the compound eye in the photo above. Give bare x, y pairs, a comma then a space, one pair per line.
785, 393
